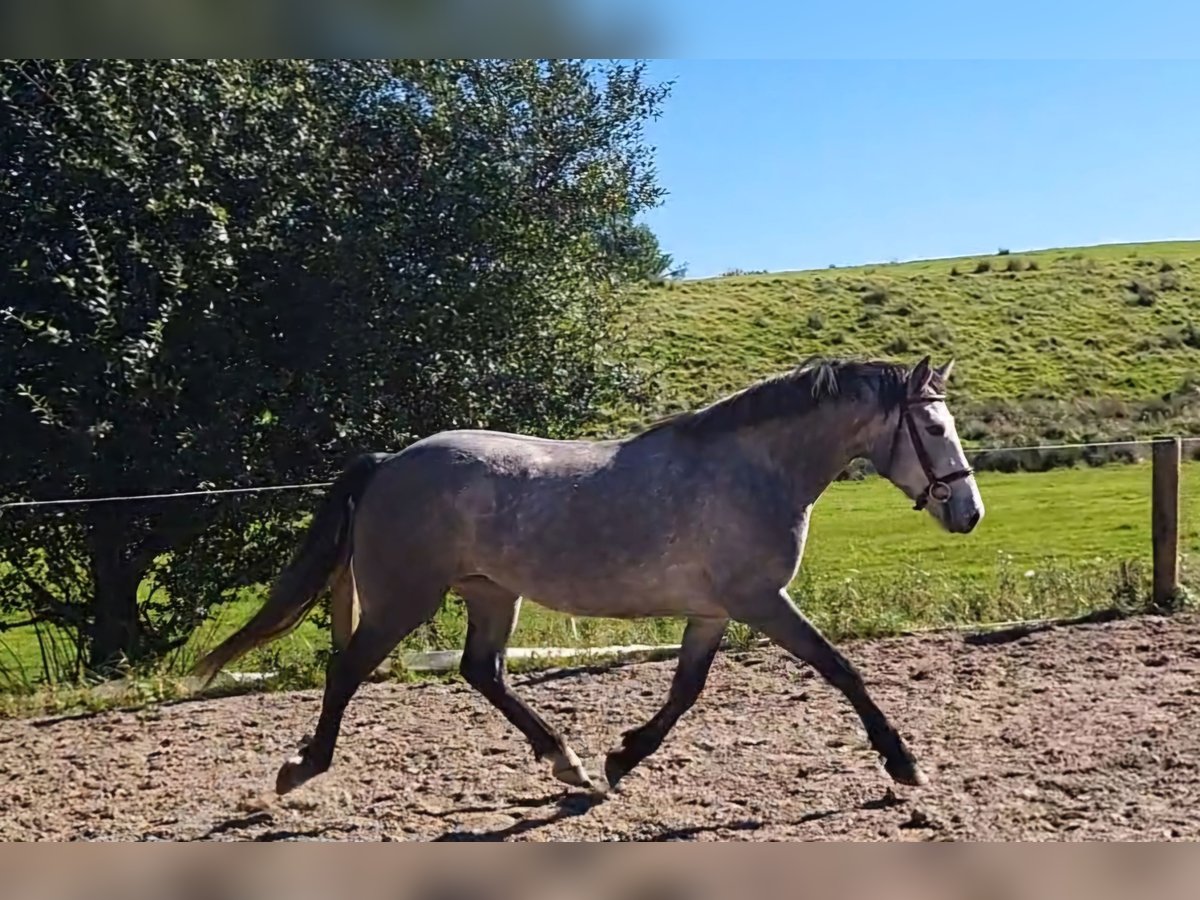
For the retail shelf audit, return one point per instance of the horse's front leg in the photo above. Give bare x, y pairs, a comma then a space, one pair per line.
776, 616
701, 640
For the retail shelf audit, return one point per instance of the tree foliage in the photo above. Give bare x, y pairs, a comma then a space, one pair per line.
237, 272
639, 244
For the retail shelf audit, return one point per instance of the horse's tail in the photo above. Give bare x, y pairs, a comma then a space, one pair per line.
323, 553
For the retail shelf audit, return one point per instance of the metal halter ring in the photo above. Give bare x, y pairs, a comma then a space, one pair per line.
940, 491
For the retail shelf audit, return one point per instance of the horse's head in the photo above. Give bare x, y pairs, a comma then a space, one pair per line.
922, 455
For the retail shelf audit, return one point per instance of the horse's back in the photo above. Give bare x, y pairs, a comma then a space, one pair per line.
516, 454
486, 488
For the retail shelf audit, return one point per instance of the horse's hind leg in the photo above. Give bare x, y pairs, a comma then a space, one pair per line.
701, 640
776, 616
491, 617
381, 629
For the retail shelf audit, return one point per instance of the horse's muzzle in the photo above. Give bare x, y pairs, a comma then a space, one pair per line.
961, 524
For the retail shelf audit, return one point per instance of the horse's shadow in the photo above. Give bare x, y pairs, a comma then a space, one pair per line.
241, 823
577, 804
236, 823
567, 806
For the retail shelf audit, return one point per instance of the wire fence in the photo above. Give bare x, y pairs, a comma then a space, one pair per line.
972, 453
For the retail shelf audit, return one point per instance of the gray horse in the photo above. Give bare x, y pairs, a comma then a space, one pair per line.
703, 515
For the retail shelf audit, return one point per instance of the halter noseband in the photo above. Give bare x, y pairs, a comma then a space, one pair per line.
938, 487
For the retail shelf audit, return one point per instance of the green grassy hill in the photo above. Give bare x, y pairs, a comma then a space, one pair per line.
1070, 344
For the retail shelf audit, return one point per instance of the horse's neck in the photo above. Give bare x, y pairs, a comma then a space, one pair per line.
809, 452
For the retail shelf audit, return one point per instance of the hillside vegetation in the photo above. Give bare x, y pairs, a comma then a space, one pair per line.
1054, 345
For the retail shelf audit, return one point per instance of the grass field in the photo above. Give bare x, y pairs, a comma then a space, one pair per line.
1051, 544
1055, 344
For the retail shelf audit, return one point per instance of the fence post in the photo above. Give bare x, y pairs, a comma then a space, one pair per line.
1164, 518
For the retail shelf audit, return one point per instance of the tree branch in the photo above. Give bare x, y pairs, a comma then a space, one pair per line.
11, 626
50, 608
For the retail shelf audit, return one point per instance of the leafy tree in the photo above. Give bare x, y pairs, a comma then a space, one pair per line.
639, 245
236, 272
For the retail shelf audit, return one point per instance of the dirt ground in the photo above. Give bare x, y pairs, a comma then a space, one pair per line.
1083, 732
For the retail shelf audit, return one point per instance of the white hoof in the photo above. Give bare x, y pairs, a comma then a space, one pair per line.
568, 769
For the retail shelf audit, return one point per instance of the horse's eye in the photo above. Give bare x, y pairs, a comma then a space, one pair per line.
936, 430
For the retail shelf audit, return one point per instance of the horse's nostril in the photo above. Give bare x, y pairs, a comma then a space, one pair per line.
974, 520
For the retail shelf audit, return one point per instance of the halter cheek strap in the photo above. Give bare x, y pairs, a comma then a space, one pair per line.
937, 487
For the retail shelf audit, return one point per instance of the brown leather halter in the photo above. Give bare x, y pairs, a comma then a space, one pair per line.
938, 487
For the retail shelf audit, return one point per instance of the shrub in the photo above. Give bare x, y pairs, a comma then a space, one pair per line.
938, 336
875, 297
1172, 339
1140, 293
998, 461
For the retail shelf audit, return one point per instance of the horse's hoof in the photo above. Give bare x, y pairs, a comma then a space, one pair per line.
292, 774
906, 772
575, 776
569, 770
614, 770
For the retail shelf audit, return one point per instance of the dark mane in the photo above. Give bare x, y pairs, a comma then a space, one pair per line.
794, 393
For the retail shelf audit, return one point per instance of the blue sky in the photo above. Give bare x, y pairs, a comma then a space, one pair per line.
786, 164
915, 29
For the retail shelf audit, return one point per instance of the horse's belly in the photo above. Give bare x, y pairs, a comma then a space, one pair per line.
656, 592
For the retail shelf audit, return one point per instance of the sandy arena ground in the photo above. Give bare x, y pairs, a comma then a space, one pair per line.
1082, 732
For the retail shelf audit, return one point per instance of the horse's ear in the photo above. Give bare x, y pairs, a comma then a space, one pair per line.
920, 377
943, 372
